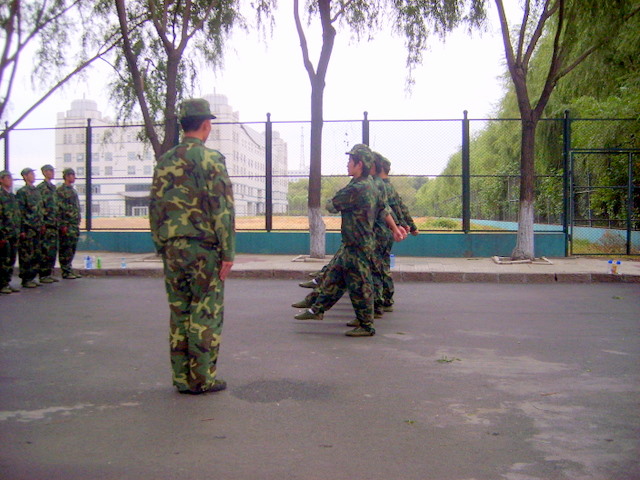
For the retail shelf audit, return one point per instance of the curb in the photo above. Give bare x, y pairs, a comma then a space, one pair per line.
426, 277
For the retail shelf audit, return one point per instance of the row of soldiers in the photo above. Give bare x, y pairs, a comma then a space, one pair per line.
36, 224
373, 217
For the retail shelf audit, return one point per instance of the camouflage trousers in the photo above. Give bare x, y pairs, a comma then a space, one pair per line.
196, 302
67, 248
388, 287
48, 251
349, 270
8, 254
378, 273
29, 254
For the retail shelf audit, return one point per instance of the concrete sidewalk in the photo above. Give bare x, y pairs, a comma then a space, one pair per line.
424, 269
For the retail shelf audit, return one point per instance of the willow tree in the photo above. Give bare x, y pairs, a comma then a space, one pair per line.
164, 45
414, 20
40, 32
602, 20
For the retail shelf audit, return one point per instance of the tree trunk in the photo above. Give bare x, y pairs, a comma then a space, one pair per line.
524, 248
317, 227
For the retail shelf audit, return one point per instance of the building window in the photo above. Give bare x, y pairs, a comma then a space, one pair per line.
67, 158
147, 170
131, 170
108, 171
80, 171
131, 156
95, 171
80, 157
108, 156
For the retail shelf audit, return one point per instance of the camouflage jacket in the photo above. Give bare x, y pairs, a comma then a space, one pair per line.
382, 231
191, 197
30, 204
49, 205
399, 208
68, 205
9, 216
360, 205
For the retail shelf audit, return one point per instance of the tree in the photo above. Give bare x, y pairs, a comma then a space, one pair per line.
48, 27
415, 20
162, 44
560, 19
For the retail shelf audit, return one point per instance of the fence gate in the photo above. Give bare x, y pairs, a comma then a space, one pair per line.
604, 202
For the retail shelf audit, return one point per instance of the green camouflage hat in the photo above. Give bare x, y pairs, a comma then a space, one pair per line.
46, 167
68, 171
362, 152
5, 173
195, 107
26, 171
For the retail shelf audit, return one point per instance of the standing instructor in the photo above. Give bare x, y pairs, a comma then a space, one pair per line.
193, 226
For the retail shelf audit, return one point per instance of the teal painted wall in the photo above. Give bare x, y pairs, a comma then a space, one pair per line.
297, 243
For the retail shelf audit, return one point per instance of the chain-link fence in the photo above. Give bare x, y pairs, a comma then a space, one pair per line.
114, 168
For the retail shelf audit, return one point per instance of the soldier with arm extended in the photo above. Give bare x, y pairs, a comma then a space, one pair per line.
31, 229
49, 241
192, 219
68, 205
358, 203
9, 232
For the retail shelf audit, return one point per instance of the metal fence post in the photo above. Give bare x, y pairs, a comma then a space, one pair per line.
630, 187
6, 145
566, 177
365, 129
466, 171
268, 174
87, 192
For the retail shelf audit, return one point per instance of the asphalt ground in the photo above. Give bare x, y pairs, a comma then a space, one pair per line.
463, 381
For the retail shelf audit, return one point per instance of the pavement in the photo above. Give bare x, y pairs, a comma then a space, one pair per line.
423, 269
462, 381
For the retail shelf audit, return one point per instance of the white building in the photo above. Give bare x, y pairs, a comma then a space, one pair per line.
122, 164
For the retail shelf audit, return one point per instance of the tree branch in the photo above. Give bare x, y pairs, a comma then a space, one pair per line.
303, 43
135, 75
36, 104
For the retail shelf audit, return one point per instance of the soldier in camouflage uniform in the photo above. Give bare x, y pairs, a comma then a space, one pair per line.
31, 229
68, 205
49, 241
359, 204
192, 220
405, 221
9, 232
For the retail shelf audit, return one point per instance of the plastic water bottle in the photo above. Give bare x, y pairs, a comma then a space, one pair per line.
613, 267
88, 263
123, 263
392, 260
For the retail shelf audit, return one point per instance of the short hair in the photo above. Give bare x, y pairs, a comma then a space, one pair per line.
191, 124
365, 167
377, 161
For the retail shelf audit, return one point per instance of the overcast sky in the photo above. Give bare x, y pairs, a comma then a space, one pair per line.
268, 76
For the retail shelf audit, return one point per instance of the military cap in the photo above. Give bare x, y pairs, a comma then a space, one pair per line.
362, 153
195, 107
26, 171
68, 171
46, 167
386, 163
5, 173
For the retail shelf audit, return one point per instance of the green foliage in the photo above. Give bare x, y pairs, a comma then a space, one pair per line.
170, 42
606, 86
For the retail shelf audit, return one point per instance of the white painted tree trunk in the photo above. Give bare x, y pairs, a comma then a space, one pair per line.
317, 229
524, 249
